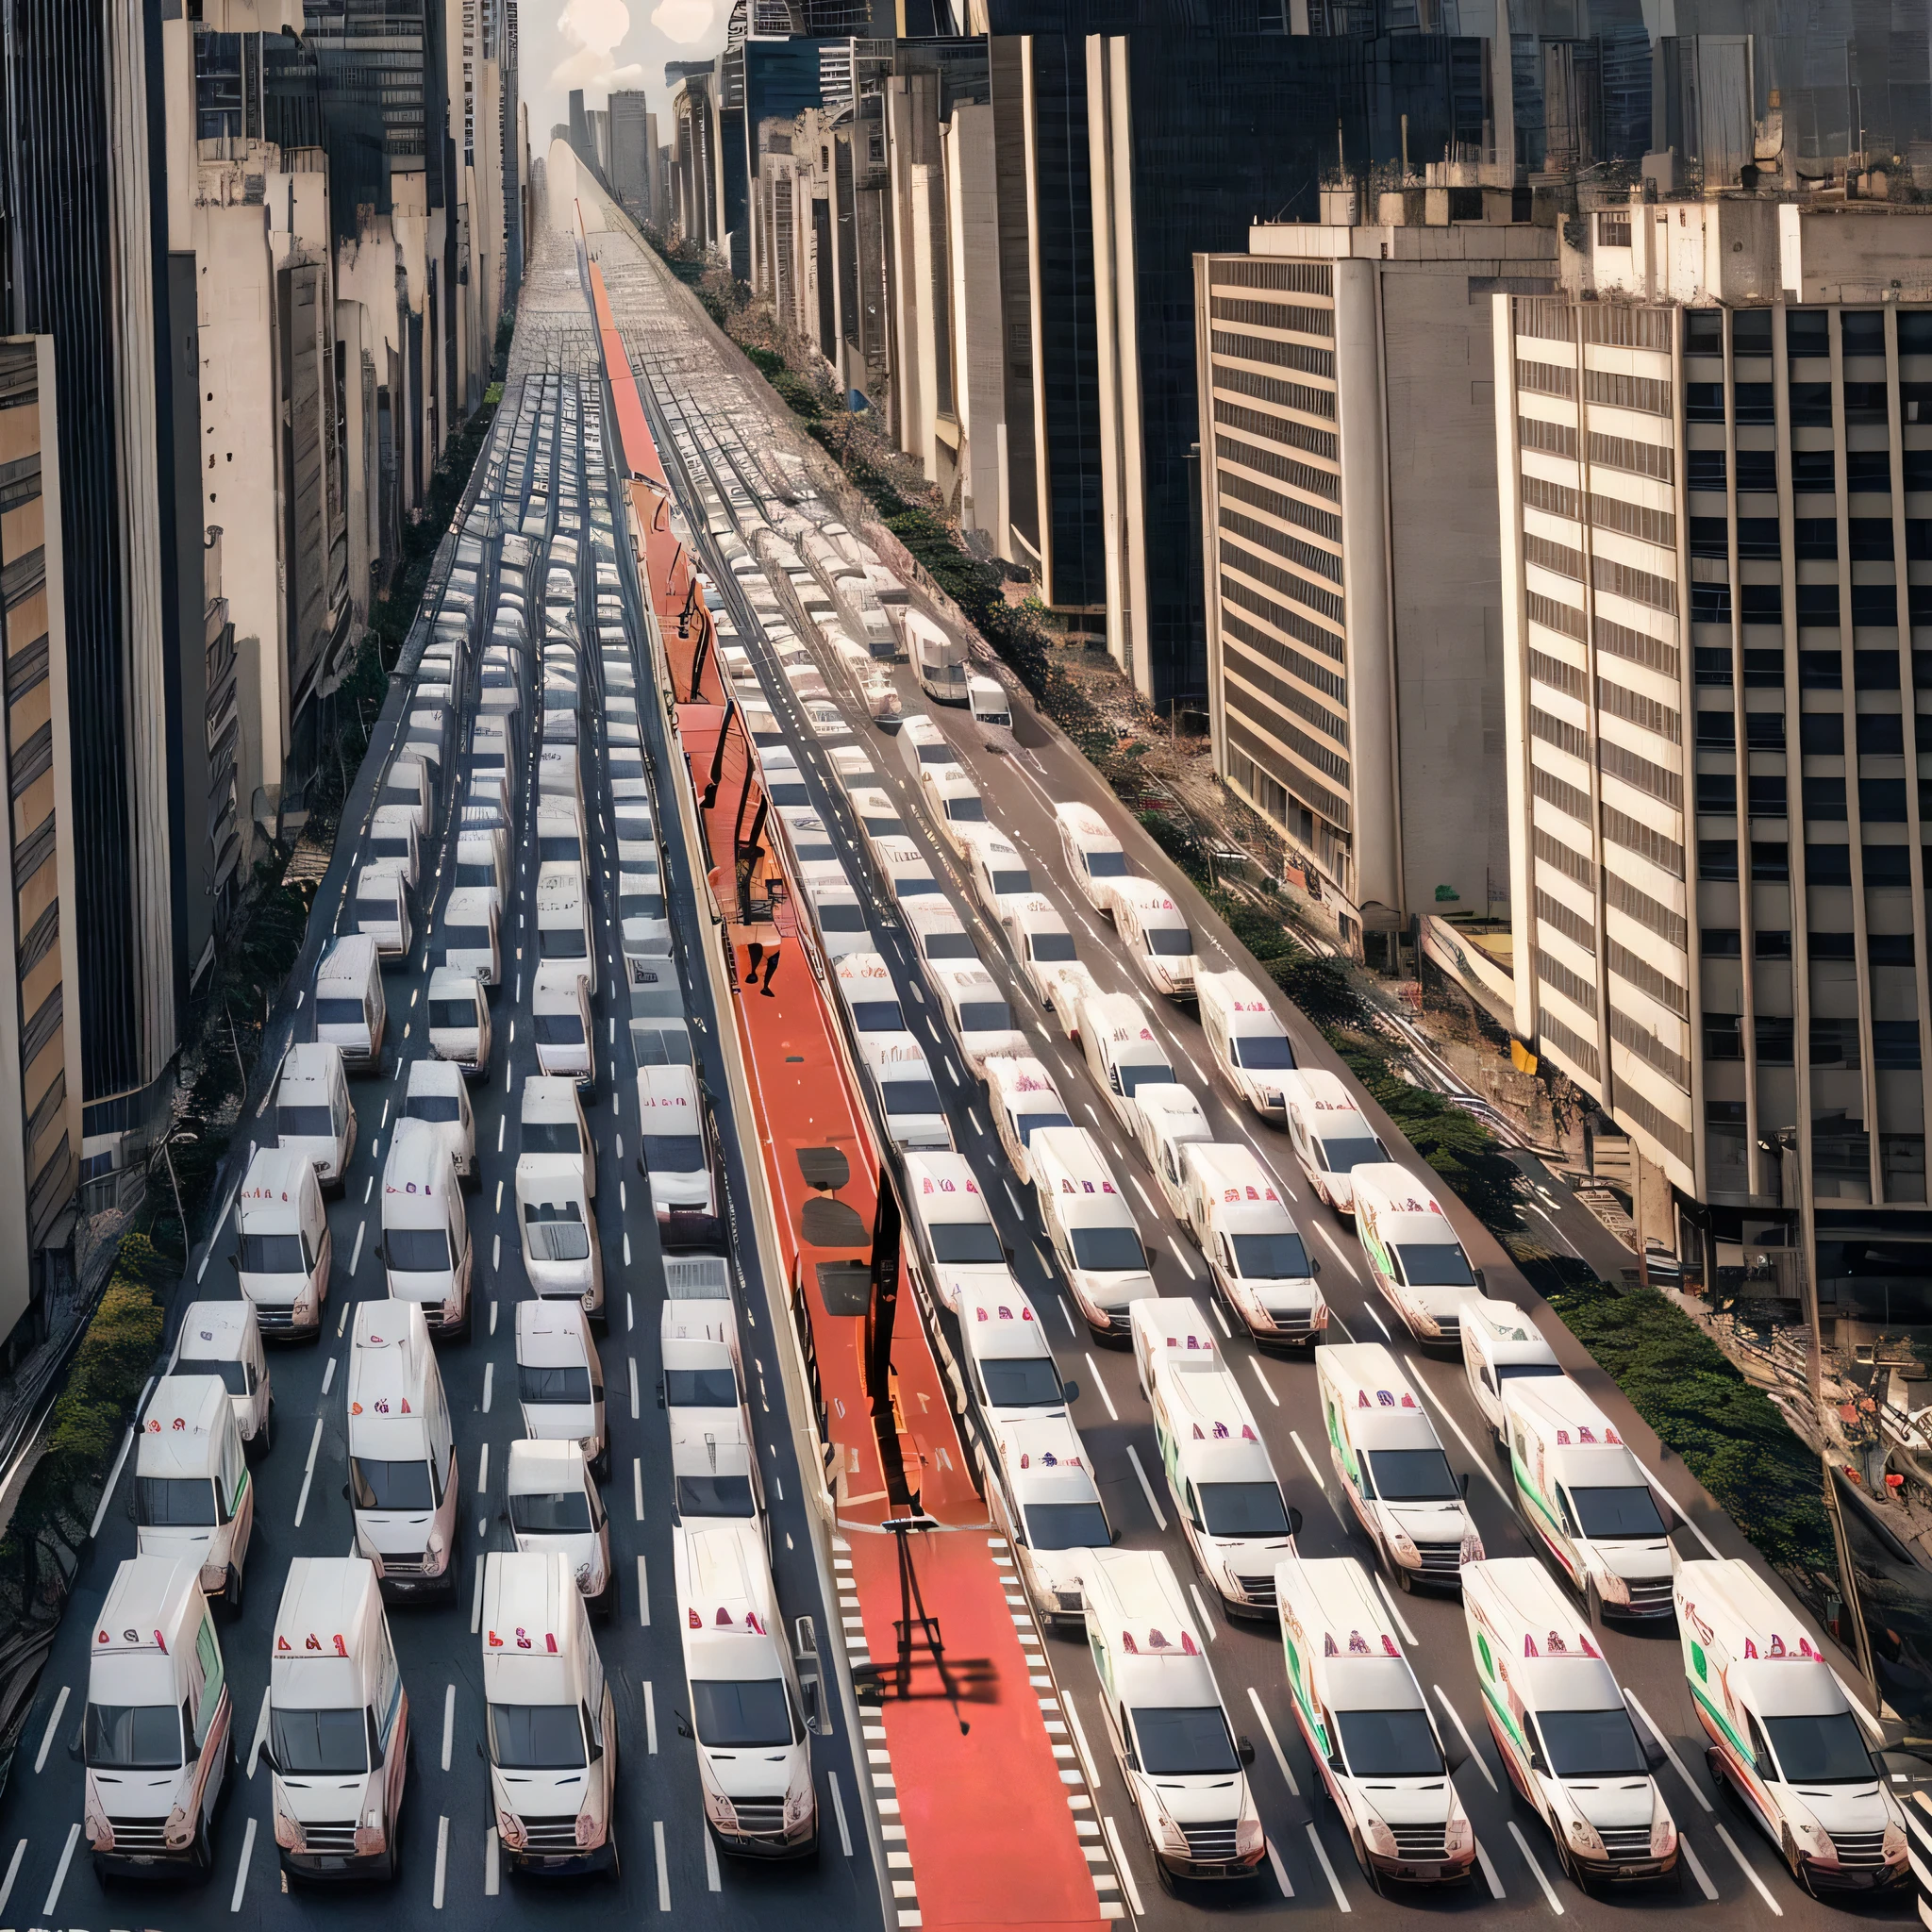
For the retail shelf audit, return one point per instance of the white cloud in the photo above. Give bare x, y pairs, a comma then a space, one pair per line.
594, 30
686, 22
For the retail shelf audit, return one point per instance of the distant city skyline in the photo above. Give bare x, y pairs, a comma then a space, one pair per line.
602, 46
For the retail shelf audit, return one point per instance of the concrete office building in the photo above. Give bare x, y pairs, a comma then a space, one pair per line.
698, 189
633, 150
41, 1000
1347, 442
1712, 476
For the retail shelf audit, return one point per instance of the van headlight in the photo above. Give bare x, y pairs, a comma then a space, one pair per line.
1402, 1546
510, 1830
1459, 1836
1896, 1845
1611, 1587
719, 1809
437, 1548
1250, 1840
1376, 1835
584, 1575
1663, 1832
1471, 1551
798, 1805
1813, 1840
453, 1306
1583, 1835
179, 1830
1173, 1839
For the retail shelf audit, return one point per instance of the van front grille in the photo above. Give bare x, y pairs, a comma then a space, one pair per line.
1292, 1320
329, 1837
1258, 1589
405, 1565
138, 1836
1419, 1841
758, 1817
1860, 1848
1451, 1328
1625, 1843
1210, 1843
550, 1834
1650, 1598
1069, 1601
1441, 1560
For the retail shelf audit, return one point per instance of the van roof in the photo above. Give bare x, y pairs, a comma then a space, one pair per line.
1171, 1098
350, 957
944, 1188
1175, 1322
1513, 1334
468, 906
1045, 1460
1152, 901
548, 1097
1367, 1376
1013, 1074
1069, 1160
1563, 1411
393, 819
183, 1426
1324, 1092
553, 1332
560, 886
452, 982
1247, 1009
1542, 1632
389, 1360
544, 1468
311, 1063
276, 1175
861, 971
420, 1167
1234, 1169
726, 1588
670, 1087
896, 1056
999, 1325
938, 916
1217, 1427
551, 1178
215, 1331
432, 1077
1330, 1611
148, 1605
709, 1442
530, 1617
1388, 1189
326, 1606
1083, 822
1119, 1022
1139, 1601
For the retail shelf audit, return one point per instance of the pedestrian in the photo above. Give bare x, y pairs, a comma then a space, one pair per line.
774, 949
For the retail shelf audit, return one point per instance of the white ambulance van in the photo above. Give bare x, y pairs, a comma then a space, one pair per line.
977, 1013
1247, 1038
223, 1340
1123, 1052
459, 1018
560, 1379
381, 910
1043, 1500
552, 1506
909, 1095
1414, 1258
1155, 934
1255, 1253
564, 939
350, 1008
1585, 1499
1398, 1481
402, 1486
549, 1717
437, 1095
1040, 942
1362, 1716
192, 1493
1023, 1099
1219, 1473
426, 1251
1090, 1227
1500, 1346
714, 1468
314, 1112
472, 941
1178, 1755
1007, 1357
1561, 1725
1171, 1120
556, 1223
747, 1718
955, 1245
677, 1154
560, 1020
157, 1732
337, 1723
1783, 1734
1330, 1135
1094, 854
282, 1243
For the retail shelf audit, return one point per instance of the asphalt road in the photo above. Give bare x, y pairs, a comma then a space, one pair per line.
1729, 1874
668, 1864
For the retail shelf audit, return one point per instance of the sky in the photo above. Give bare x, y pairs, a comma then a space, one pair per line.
603, 44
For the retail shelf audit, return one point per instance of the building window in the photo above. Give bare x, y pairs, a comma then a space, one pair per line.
1722, 942
1612, 229
1770, 861
1717, 860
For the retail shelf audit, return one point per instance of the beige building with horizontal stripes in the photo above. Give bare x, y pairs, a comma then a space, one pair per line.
1349, 542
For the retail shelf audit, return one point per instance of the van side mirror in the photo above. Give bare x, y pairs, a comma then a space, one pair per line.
268, 1756
503, 1514
131, 1517
235, 1262
1462, 1484
683, 1722
1653, 1751
346, 1492
1070, 1393
1314, 1264
1295, 1520
1482, 1286
660, 1391
1244, 1750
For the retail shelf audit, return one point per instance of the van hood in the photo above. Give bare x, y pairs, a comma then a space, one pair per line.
1842, 1809
129, 1795
1636, 1562
540, 1793
394, 1533
322, 1800
428, 1286
584, 1554
1409, 1801
1199, 1799
1113, 1290
1614, 1802
1285, 1295
753, 1774
319, 1149
689, 1190
1429, 1523
273, 1290
1058, 1570
150, 1541
561, 1278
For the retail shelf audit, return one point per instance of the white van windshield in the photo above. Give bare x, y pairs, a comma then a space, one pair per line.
416, 1250
561, 942
564, 1384
672, 1153
472, 874
1107, 1250
179, 1501
1591, 1743
560, 1029
950, 945
747, 1715
713, 1388
1434, 1264
1130, 1078
432, 1107
1068, 1526
1027, 1125
985, 1016
133, 1736
1011, 881
456, 1016
1242, 1509
1171, 942
878, 1016
1608, 1514
337, 1012
715, 1495
552, 1137
1263, 1053
1107, 865
556, 1231
314, 1123
1050, 948
1021, 1382
273, 1254
1341, 1154
908, 1097
568, 1515
1183, 1741
1270, 1257
536, 1737
1824, 1750
1388, 1744
959, 1243
319, 1743
1411, 1475
391, 1485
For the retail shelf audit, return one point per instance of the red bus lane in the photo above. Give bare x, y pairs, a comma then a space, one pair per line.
981, 1810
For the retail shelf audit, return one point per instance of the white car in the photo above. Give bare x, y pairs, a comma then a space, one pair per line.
877, 813
838, 916
999, 873
977, 1012
939, 936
